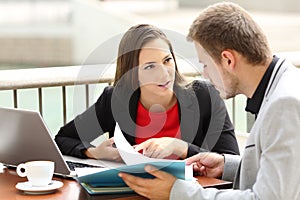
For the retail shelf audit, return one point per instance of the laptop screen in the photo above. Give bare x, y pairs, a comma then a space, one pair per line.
25, 137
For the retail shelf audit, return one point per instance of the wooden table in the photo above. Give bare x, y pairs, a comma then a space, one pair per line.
73, 191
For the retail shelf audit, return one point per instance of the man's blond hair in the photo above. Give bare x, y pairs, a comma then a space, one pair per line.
228, 26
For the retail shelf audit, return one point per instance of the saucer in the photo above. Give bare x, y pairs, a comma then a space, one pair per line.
28, 189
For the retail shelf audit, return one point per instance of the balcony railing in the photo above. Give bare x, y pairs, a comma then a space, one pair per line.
41, 78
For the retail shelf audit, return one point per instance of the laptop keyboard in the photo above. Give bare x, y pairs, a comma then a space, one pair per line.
72, 165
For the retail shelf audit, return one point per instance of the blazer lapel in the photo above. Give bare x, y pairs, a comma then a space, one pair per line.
124, 105
188, 110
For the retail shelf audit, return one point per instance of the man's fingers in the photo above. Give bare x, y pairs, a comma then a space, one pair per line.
196, 158
135, 183
132, 179
155, 172
193, 159
203, 171
196, 168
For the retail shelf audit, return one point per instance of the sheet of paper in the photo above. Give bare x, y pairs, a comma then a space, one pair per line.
88, 170
127, 152
1, 168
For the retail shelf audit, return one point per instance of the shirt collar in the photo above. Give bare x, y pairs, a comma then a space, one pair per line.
254, 103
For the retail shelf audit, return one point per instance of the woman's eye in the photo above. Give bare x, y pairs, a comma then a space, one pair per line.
168, 60
149, 67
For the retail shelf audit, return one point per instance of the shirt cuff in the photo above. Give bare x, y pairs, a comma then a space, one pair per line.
184, 189
231, 164
78, 152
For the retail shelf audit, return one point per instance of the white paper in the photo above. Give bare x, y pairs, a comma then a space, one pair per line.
129, 156
189, 176
88, 170
127, 152
2, 168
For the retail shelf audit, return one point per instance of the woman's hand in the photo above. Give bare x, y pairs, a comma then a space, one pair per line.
104, 151
163, 147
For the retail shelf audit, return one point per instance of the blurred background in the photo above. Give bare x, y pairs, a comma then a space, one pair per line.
51, 33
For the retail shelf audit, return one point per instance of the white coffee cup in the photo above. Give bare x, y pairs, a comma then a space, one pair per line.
38, 173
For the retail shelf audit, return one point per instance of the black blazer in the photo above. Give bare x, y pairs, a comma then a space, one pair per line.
204, 121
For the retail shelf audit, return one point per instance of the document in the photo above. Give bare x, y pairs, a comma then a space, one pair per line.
107, 181
1, 168
127, 152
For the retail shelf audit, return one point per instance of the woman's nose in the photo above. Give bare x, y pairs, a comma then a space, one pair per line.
165, 71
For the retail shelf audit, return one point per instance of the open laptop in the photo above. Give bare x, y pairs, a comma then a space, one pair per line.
24, 136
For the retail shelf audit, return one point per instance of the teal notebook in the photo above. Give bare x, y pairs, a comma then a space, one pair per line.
106, 190
108, 181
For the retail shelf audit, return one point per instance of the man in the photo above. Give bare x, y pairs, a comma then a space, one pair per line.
237, 60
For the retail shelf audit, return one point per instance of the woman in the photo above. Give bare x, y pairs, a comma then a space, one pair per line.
157, 111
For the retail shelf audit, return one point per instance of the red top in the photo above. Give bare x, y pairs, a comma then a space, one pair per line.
156, 125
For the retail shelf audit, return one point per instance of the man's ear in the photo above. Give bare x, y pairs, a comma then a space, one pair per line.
228, 59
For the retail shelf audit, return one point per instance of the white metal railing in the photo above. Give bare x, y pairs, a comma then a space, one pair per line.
40, 78
53, 76
63, 77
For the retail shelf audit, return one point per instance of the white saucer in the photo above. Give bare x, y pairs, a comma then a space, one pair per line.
50, 188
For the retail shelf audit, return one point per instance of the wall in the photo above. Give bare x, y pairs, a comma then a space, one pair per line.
258, 5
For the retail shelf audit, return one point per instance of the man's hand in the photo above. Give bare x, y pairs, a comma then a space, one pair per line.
157, 188
163, 147
207, 164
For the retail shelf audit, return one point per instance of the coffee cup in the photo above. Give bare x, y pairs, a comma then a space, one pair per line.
38, 173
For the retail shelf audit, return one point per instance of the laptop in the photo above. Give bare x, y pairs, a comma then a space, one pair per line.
24, 136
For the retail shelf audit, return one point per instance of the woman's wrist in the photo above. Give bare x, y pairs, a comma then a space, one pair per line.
90, 152
181, 148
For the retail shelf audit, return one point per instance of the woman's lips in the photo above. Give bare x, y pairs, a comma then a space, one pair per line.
164, 85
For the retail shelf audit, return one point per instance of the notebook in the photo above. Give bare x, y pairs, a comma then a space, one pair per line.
107, 181
24, 136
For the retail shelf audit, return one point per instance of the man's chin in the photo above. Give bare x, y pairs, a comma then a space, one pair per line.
226, 95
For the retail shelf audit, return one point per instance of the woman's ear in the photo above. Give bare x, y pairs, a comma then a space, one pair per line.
228, 59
